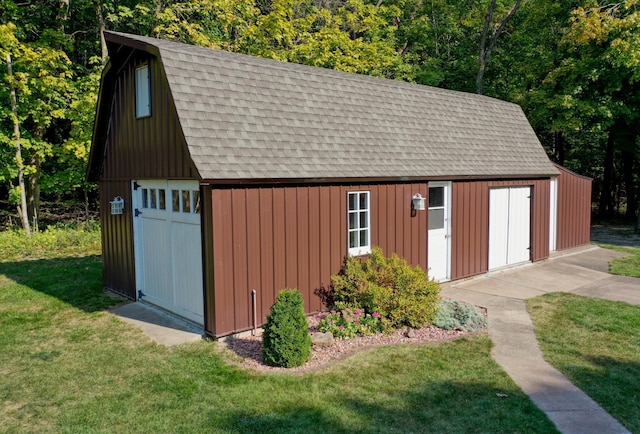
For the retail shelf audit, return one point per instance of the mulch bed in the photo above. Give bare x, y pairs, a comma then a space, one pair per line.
248, 350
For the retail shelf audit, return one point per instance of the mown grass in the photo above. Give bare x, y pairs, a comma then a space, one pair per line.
67, 365
622, 238
627, 265
596, 344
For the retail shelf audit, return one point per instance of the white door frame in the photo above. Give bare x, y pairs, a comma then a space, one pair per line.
553, 214
509, 232
442, 275
178, 305
136, 204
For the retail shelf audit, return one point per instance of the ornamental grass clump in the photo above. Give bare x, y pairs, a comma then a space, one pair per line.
460, 316
285, 340
402, 295
349, 323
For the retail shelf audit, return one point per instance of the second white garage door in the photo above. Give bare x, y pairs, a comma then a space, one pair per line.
509, 226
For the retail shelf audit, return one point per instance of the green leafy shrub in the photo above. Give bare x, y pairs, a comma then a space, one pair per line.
349, 323
286, 341
403, 295
461, 316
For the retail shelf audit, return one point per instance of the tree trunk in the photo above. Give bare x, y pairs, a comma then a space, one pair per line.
33, 191
63, 13
489, 39
628, 161
103, 42
605, 207
560, 148
22, 209
86, 206
33, 182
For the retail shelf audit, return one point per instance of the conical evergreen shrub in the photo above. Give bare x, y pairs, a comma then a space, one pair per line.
286, 341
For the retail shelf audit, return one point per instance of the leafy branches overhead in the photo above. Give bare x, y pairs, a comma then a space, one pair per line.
489, 39
594, 88
349, 36
40, 83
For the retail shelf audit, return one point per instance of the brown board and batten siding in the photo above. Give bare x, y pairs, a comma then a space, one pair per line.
118, 263
470, 224
574, 210
275, 166
147, 148
151, 147
270, 238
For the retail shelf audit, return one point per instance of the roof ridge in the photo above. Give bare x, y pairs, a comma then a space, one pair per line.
249, 59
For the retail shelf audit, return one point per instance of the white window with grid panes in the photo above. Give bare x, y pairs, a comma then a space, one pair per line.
359, 220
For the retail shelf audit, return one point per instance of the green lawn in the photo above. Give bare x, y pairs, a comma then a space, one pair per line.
67, 365
628, 265
596, 344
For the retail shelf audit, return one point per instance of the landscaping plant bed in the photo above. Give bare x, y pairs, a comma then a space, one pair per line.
248, 350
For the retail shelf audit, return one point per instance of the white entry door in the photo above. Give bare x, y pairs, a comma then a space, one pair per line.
509, 226
168, 246
439, 241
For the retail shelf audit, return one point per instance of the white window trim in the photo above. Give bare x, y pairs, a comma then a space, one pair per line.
143, 97
365, 249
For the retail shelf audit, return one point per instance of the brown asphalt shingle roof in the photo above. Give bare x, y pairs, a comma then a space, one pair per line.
245, 117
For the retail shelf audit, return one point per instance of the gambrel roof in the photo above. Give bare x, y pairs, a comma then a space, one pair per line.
248, 118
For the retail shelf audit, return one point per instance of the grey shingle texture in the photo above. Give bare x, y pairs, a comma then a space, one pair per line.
245, 117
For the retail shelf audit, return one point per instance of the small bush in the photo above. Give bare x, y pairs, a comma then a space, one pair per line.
461, 316
286, 341
349, 323
401, 294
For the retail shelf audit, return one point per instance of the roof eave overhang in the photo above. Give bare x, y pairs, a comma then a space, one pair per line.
371, 180
562, 168
120, 49
116, 41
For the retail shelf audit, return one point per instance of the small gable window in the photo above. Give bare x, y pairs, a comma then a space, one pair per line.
143, 90
359, 233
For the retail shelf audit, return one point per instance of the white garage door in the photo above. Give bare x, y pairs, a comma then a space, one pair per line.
509, 226
168, 246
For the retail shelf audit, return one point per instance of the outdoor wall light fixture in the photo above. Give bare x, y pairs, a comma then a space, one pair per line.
417, 202
117, 205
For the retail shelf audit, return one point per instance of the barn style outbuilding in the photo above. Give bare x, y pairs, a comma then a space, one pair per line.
225, 178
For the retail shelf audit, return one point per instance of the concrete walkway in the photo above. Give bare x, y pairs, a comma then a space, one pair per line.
516, 348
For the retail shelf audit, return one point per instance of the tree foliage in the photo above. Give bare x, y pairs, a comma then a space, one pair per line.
574, 66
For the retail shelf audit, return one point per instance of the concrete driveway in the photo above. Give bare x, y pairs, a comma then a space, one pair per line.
503, 294
582, 271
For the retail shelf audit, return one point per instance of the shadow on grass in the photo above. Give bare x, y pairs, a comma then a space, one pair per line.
442, 407
612, 383
74, 281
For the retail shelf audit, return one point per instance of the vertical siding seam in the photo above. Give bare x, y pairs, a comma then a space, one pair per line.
246, 255
259, 294
233, 264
